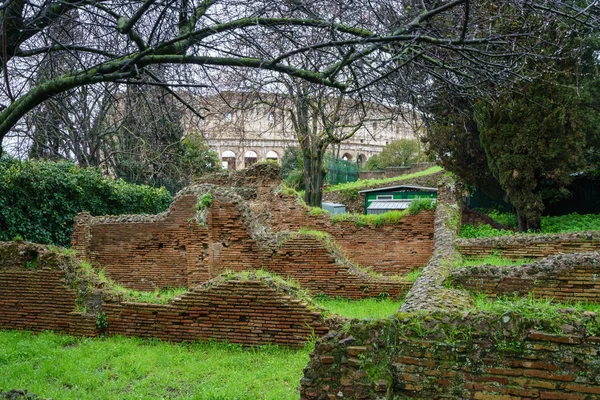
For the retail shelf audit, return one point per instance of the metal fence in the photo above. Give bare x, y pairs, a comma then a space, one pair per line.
340, 171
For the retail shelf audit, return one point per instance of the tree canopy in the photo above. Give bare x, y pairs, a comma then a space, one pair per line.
348, 45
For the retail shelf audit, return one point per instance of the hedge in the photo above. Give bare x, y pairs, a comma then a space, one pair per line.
38, 199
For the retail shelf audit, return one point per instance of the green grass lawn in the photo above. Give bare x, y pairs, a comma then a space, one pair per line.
366, 308
493, 259
64, 367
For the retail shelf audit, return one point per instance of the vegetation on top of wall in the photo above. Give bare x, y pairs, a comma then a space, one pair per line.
205, 201
371, 183
377, 220
390, 217
559, 224
493, 259
38, 199
162, 296
545, 314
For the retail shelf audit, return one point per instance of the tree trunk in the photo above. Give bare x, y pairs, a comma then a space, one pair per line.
314, 177
529, 224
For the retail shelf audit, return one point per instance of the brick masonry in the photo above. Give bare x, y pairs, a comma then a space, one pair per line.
561, 277
533, 246
248, 312
391, 249
252, 311
40, 300
453, 357
174, 250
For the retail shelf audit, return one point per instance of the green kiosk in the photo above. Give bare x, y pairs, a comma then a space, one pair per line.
381, 200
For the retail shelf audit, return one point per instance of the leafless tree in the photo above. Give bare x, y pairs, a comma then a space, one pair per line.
398, 46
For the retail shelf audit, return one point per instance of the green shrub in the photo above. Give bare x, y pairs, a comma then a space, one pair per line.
38, 199
421, 204
571, 223
506, 219
205, 201
561, 224
481, 231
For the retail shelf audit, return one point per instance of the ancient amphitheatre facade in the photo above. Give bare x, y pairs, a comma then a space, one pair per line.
244, 128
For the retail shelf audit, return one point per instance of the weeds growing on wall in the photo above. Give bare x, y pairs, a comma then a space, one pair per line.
377, 220
158, 296
546, 315
494, 259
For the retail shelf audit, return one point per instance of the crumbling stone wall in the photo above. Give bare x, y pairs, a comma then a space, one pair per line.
453, 356
563, 277
251, 310
179, 249
393, 249
532, 246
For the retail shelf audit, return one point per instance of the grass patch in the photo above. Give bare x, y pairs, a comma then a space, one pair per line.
412, 276
548, 315
560, 224
162, 296
64, 367
365, 308
390, 217
493, 259
369, 183
377, 220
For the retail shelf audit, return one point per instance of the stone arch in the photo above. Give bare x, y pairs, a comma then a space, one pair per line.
347, 157
361, 159
250, 158
228, 160
272, 155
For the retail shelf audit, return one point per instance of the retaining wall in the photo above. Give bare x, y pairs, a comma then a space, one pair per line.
562, 277
453, 357
252, 311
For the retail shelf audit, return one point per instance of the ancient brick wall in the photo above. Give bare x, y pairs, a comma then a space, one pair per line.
563, 277
533, 246
253, 312
147, 252
392, 249
175, 250
40, 300
477, 357
302, 258
247, 312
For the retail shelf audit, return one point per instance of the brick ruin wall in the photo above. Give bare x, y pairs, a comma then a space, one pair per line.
247, 312
476, 357
435, 349
173, 250
530, 246
251, 312
392, 249
40, 300
563, 277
